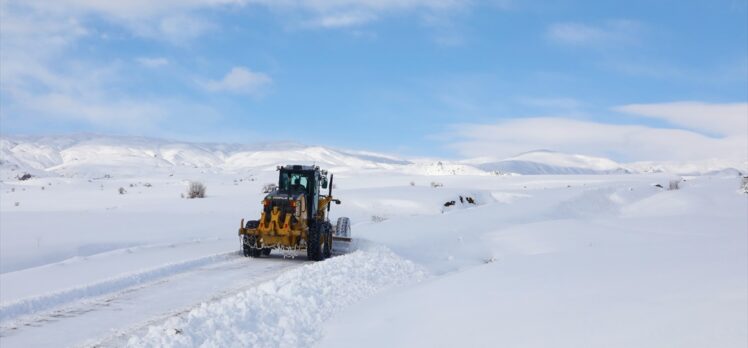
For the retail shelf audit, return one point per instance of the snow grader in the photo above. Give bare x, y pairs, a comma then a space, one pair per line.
295, 216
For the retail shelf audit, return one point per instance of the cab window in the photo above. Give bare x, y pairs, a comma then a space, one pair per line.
293, 182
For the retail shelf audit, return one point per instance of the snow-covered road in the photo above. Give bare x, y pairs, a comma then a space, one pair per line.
113, 316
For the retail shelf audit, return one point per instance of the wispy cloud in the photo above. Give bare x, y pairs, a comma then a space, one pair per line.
152, 62
352, 13
43, 76
624, 142
579, 34
557, 103
340, 20
170, 20
713, 119
240, 80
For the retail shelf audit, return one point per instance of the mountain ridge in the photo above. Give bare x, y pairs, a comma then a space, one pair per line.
93, 154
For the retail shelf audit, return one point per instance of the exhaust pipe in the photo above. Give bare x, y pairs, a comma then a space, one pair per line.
330, 192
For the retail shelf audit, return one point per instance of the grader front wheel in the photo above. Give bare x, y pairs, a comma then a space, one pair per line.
315, 245
328, 240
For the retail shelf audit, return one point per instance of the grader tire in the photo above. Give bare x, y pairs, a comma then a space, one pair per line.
249, 246
328, 240
245, 247
249, 242
316, 243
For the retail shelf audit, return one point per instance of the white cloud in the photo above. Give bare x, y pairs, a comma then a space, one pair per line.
575, 33
124, 10
114, 113
104, 112
350, 13
327, 6
623, 142
339, 20
719, 119
240, 80
176, 21
152, 62
42, 76
611, 32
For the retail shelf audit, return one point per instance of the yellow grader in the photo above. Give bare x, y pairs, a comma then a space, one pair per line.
295, 217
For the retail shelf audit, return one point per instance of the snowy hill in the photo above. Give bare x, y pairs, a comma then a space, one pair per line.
708, 167
551, 162
437, 167
89, 155
93, 155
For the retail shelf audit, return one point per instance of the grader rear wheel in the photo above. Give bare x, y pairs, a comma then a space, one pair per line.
249, 246
249, 242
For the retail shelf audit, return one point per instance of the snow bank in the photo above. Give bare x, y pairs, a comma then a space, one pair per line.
622, 265
287, 311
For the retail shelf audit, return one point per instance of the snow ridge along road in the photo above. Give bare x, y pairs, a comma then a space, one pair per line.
289, 310
36, 304
110, 319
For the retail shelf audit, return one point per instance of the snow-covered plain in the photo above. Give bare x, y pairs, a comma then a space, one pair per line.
574, 260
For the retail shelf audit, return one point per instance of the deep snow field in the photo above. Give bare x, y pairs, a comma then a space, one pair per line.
539, 261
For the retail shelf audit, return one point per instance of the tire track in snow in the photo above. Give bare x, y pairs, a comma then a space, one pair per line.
49, 301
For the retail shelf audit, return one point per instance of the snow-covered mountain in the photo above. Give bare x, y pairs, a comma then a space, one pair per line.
440, 167
708, 167
551, 162
96, 155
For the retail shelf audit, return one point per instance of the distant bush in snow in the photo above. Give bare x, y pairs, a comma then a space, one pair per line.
122, 190
17, 204
412, 183
674, 183
435, 184
745, 184
24, 176
267, 188
195, 190
377, 218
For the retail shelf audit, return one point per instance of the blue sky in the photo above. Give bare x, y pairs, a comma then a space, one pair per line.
632, 80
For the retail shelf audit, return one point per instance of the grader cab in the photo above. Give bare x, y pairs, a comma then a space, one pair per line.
295, 216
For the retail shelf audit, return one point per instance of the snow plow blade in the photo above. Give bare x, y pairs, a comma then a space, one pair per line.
342, 245
341, 237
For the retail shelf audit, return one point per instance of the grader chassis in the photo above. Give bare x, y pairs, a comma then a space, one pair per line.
295, 216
